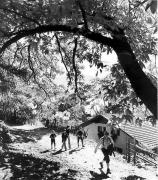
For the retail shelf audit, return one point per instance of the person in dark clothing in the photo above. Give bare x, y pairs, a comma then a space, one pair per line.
80, 135
107, 144
64, 138
68, 135
52, 137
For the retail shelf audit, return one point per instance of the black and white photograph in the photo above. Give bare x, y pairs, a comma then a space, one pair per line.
78, 90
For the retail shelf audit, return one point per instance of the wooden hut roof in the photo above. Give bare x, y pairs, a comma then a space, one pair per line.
145, 134
96, 119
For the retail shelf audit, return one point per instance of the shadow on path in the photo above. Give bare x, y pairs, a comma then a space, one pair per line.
27, 167
133, 177
74, 150
96, 176
45, 151
57, 152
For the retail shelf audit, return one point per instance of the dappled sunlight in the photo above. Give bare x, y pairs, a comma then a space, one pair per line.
64, 62
35, 159
85, 158
29, 126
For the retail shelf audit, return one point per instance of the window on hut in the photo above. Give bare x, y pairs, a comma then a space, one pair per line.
104, 129
100, 131
99, 128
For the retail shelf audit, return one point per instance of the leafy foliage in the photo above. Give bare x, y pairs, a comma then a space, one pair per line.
37, 35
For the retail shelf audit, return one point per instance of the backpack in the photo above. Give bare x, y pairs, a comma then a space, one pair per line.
85, 134
64, 136
110, 147
67, 131
52, 136
80, 133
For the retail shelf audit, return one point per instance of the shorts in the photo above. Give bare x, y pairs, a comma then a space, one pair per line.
106, 154
52, 140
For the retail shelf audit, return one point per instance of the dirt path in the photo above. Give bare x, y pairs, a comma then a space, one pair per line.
84, 162
34, 160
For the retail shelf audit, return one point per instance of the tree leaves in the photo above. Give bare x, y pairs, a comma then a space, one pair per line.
128, 118
109, 20
151, 119
14, 70
139, 121
64, 107
152, 5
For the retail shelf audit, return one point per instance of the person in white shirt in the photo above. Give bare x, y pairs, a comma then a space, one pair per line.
107, 146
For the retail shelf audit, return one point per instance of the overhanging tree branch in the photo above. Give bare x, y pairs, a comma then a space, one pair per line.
30, 63
139, 81
62, 58
49, 28
74, 64
75, 69
33, 71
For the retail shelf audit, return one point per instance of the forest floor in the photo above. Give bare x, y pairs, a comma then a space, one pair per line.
29, 157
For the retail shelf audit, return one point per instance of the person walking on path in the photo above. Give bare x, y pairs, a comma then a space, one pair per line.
68, 135
107, 146
80, 136
52, 137
64, 138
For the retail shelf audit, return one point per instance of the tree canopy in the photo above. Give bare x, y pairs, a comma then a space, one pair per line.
36, 34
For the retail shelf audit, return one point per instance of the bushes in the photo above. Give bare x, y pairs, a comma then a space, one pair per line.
19, 117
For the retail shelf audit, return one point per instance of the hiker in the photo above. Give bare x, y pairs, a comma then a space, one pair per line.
64, 138
68, 135
52, 137
80, 136
107, 146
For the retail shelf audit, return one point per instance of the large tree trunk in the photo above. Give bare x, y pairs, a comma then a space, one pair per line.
140, 82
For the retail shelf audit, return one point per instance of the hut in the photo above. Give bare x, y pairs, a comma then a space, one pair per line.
95, 125
145, 135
